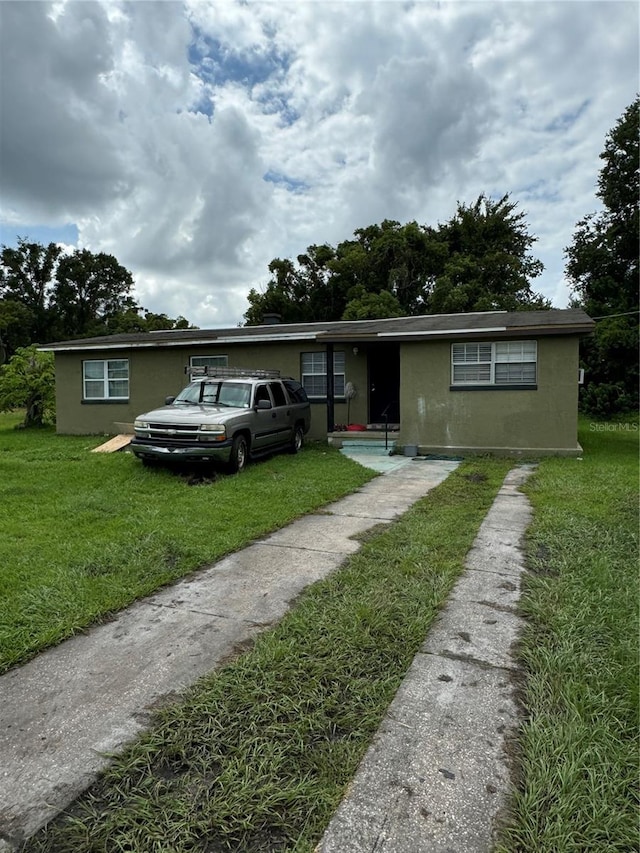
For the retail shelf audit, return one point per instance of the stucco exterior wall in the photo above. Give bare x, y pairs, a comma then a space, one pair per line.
155, 373
433, 417
438, 419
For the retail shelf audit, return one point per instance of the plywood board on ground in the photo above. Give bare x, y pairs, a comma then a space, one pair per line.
115, 443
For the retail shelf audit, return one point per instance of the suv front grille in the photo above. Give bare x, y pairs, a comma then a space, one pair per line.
173, 435
164, 429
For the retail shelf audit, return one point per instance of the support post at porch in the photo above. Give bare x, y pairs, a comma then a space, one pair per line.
330, 390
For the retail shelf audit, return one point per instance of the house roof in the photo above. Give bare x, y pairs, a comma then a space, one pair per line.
484, 324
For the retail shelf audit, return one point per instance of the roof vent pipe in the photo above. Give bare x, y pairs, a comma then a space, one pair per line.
271, 319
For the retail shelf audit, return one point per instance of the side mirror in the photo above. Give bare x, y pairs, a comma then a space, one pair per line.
263, 404
168, 400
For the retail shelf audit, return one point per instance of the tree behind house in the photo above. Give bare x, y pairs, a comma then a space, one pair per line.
602, 264
487, 261
47, 296
477, 261
89, 290
26, 279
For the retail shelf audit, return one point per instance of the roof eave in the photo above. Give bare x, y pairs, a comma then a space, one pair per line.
457, 334
321, 335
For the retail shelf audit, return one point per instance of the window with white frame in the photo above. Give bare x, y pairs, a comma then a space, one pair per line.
314, 374
499, 363
208, 361
106, 379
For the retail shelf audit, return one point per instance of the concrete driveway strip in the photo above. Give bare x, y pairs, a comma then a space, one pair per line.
64, 712
436, 776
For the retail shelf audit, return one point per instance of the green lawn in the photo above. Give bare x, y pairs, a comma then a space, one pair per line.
257, 756
578, 752
84, 534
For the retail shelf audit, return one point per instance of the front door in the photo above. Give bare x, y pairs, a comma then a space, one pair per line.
384, 383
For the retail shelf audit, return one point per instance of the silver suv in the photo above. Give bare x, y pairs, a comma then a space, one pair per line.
226, 415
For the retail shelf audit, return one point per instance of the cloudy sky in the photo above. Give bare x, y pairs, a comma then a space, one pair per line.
196, 141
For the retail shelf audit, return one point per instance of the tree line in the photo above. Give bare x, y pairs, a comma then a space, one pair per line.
479, 260
46, 295
602, 264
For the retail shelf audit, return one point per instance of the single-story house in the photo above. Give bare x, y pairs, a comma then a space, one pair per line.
495, 381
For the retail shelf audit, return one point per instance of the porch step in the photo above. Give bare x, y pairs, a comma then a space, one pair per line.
363, 442
373, 448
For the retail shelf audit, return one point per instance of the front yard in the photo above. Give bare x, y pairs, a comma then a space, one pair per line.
256, 756
84, 534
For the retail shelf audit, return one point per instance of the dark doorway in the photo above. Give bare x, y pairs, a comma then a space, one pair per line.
384, 383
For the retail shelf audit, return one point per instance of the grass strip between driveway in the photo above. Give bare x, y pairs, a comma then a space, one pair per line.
257, 756
578, 751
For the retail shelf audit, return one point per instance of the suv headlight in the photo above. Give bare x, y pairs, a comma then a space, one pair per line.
215, 432
140, 424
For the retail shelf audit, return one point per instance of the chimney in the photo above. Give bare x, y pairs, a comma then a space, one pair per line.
271, 319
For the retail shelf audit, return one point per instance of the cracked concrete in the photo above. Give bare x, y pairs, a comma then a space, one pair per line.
437, 774
63, 713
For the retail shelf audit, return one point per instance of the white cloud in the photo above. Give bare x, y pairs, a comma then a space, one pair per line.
151, 126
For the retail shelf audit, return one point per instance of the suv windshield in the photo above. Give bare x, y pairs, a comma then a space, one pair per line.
233, 394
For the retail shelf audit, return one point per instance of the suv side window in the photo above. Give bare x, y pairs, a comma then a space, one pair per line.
262, 393
277, 391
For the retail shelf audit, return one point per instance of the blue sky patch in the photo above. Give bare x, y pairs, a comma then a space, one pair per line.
275, 103
43, 234
203, 105
217, 63
565, 120
291, 184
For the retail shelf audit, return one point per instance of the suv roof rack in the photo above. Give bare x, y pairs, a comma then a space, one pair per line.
230, 372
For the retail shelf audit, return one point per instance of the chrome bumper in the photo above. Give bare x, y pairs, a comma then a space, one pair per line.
220, 452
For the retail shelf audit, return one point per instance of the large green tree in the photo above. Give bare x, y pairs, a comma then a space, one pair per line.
46, 295
401, 260
488, 265
602, 264
392, 259
302, 291
26, 278
89, 290
478, 261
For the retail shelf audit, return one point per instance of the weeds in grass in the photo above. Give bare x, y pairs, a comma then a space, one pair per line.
257, 756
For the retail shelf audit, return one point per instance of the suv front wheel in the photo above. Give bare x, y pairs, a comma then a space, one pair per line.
239, 454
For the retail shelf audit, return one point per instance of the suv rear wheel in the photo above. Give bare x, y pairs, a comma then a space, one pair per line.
298, 438
239, 454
